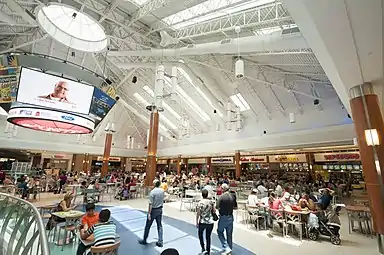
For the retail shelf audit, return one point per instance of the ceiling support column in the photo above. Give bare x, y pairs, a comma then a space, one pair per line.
178, 165
152, 147
369, 127
237, 165
209, 166
107, 154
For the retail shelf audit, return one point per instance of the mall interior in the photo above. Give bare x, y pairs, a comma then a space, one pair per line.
258, 122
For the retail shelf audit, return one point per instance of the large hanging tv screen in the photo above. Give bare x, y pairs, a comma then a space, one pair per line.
50, 91
101, 104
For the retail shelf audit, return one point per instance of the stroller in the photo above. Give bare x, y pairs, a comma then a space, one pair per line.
326, 224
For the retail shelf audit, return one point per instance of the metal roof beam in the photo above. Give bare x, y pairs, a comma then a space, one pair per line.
14, 6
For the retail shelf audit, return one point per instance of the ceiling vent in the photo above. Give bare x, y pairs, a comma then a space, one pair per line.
288, 31
225, 41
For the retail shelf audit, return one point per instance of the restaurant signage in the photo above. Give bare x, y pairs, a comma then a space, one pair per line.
288, 158
162, 161
111, 159
226, 160
253, 159
197, 161
345, 156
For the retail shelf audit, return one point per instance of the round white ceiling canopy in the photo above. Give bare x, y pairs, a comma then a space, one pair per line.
72, 28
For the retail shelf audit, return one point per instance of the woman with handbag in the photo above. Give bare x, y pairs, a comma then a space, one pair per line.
205, 217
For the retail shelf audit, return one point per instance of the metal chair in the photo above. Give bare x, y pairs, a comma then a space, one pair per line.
106, 249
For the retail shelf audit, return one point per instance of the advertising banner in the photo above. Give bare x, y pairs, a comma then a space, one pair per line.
54, 92
101, 104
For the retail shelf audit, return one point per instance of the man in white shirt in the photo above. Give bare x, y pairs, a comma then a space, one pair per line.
263, 190
253, 200
279, 190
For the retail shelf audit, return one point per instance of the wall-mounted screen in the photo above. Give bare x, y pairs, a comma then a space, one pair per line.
101, 104
54, 92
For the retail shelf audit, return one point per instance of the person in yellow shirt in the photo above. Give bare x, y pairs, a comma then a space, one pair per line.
164, 186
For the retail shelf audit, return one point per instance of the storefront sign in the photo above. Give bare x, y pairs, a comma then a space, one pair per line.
56, 156
162, 161
197, 161
346, 156
111, 159
288, 158
253, 159
226, 160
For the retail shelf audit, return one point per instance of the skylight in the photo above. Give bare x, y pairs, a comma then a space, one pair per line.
162, 117
210, 9
72, 27
138, 2
184, 73
165, 105
189, 101
240, 102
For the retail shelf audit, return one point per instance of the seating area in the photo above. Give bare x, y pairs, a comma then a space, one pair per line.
166, 127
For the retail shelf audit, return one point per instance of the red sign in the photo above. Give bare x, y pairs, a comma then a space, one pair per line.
346, 156
334, 157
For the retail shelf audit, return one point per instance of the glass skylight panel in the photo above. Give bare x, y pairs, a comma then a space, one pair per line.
162, 117
72, 27
184, 73
206, 11
189, 101
240, 102
138, 2
165, 105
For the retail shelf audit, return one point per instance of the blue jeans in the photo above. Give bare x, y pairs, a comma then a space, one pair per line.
225, 223
156, 214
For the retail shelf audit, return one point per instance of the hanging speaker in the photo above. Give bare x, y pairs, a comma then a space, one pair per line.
292, 118
239, 68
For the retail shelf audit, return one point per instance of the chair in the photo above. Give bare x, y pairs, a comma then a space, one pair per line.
70, 226
361, 218
105, 249
294, 219
256, 214
277, 217
132, 192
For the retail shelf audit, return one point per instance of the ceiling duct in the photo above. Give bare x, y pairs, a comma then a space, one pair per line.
258, 43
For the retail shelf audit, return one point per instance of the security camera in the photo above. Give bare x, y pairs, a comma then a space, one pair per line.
134, 79
214, 111
239, 68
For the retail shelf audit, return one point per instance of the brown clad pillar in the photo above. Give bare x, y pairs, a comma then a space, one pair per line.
209, 166
152, 147
367, 117
178, 165
107, 154
237, 164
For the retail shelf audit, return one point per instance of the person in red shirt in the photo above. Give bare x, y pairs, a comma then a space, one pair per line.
88, 220
219, 189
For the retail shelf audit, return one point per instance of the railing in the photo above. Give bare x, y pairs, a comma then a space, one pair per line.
22, 230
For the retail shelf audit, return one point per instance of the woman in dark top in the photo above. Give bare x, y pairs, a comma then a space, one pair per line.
63, 206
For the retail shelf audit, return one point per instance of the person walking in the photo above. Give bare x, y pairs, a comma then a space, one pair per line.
204, 221
155, 212
225, 204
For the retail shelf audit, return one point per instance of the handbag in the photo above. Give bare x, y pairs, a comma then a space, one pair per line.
214, 214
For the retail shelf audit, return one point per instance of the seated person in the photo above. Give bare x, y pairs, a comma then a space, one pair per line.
325, 199
253, 200
63, 206
104, 231
306, 202
89, 219
274, 202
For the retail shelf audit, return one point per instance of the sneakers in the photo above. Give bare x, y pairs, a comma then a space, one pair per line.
142, 242
227, 251
159, 244
203, 252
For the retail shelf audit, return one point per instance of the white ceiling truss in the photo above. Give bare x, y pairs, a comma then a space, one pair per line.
276, 82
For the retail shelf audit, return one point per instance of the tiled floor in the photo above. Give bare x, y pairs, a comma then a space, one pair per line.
181, 233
